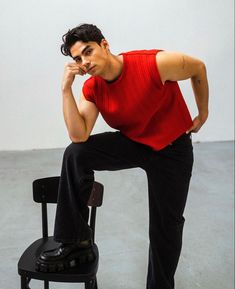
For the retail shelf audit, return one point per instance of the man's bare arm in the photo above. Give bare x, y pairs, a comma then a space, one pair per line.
79, 119
174, 66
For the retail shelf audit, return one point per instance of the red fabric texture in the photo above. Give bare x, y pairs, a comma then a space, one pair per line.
138, 104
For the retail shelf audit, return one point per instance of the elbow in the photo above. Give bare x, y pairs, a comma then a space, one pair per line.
78, 139
199, 71
202, 67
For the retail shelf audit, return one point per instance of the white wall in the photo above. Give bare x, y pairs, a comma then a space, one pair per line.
31, 64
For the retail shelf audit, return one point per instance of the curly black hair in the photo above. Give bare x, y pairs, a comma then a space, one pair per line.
84, 33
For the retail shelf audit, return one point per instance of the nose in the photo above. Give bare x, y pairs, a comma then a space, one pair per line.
86, 62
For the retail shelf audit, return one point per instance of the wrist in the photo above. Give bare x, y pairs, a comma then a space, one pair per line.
203, 115
66, 84
66, 89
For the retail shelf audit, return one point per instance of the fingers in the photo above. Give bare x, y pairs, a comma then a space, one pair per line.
189, 130
194, 129
196, 126
70, 71
75, 68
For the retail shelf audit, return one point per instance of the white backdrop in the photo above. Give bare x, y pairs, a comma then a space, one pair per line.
31, 63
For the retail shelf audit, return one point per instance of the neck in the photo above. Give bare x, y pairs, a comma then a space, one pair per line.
113, 69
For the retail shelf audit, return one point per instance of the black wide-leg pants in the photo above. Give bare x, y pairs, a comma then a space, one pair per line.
168, 172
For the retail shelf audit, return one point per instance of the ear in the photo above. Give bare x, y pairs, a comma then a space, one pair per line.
104, 44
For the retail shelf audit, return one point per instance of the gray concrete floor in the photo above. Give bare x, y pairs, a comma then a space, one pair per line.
122, 228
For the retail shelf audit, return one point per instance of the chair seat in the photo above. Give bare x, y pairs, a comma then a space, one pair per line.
81, 273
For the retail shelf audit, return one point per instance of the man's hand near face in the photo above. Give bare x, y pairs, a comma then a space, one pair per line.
71, 69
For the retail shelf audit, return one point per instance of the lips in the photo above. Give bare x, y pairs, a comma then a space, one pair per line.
90, 69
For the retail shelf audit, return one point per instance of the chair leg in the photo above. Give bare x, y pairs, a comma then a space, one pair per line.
92, 284
88, 285
95, 285
46, 284
23, 282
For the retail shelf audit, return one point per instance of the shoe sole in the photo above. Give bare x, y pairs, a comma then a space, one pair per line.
72, 260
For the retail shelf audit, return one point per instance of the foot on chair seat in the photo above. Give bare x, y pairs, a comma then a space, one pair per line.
64, 257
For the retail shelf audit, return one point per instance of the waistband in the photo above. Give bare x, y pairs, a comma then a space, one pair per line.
184, 137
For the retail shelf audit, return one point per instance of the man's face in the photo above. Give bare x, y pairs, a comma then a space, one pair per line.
90, 56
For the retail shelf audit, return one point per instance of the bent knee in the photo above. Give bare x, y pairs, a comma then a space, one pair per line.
75, 150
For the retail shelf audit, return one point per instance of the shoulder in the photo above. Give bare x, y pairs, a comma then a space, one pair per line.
90, 82
88, 89
141, 57
145, 60
142, 52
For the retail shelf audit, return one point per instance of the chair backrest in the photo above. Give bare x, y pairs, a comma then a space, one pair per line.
45, 191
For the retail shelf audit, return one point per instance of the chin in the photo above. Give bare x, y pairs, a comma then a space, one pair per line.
93, 73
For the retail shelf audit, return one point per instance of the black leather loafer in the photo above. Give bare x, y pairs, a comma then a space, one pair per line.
64, 257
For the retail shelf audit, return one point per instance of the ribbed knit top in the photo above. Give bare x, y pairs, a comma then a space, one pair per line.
138, 104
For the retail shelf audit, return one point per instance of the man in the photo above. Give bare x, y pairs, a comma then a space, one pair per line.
137, 94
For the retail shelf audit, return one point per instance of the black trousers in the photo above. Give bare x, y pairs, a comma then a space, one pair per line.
168, 172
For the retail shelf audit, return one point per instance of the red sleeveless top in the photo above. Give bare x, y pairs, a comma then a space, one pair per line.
138, 104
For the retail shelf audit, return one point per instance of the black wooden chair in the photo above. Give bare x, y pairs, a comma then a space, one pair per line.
45, 191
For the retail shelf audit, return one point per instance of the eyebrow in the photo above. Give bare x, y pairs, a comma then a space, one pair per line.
83, 51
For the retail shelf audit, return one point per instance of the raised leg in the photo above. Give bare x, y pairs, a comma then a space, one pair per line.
106, 151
